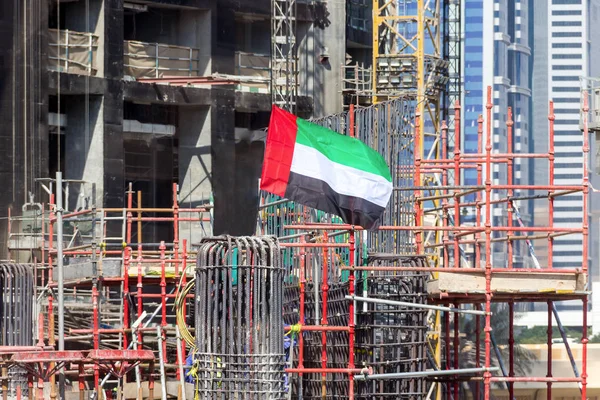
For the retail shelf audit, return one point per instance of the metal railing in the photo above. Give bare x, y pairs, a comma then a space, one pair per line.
356, 84
255, 66
72, 52
157, 60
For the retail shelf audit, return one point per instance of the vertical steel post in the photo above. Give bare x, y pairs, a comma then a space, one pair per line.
509, 211
176, 230
457, 180
60, 273
324, 290
417, 182
478, 351
551, 183
126, 262
51, 337
163, 294
140, 301
509, 244
351, 115
488, 244
586, 150
301, 315
549, 348
456, 348
351, 306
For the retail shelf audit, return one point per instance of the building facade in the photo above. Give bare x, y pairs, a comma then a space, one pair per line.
496, 52
566, 50
86, 89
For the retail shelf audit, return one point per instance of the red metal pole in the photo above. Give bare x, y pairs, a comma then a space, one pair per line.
301, 311
478, 350
129, 215
95, 334
456, 348
509, 207
446, 256
163, 296
351, 240
175, 231
511, 347
457, 178
351, 127
43, 243
488, 245
551, 183
324, 290
417, 182
126, 261
478, 195
586, 150
51, 339
40, 385
549, 348
140, 304
184, 256
447, 337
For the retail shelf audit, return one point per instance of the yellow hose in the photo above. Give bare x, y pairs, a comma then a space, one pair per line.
179, 306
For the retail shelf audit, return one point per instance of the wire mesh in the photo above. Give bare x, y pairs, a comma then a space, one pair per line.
16, 315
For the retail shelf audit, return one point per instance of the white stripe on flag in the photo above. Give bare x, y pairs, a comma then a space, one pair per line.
342, 179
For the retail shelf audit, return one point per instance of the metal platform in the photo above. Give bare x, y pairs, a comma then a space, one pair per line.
470, 287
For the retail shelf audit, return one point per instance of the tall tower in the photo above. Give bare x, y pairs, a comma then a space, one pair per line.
284, 59
407, 57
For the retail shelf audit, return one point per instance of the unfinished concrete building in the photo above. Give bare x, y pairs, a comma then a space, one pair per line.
152, 92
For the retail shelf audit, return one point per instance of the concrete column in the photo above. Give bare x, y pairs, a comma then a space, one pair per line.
223, 159
84, 145
320, 77
114, 168
195, 166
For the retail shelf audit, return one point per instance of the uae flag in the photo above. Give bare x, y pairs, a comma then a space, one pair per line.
322, 169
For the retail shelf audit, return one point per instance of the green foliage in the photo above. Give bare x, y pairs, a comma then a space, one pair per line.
539, 335
594, 339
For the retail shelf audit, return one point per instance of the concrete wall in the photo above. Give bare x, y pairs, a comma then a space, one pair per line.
321, 78
194, 30
195, 165
84, 145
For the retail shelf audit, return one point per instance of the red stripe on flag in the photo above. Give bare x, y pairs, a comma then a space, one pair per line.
281, 140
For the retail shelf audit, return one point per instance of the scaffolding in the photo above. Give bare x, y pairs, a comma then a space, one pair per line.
362, 314
462, 279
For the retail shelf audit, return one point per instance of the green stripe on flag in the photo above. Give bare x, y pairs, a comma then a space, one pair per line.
342, 149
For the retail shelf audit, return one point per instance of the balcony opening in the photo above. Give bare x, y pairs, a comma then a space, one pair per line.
151, 160
57, 125
253, 52
74, 37
162, 42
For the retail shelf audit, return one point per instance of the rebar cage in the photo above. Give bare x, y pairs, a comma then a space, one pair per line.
239, 341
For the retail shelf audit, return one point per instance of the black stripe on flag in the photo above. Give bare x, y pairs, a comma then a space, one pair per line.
318, 194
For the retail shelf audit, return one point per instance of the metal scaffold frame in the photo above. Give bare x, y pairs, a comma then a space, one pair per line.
284, 58
333, 274
453, 51
456, 251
